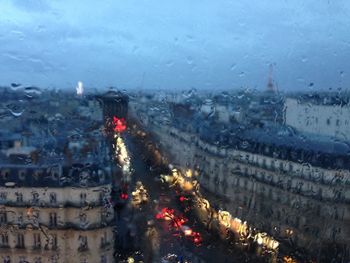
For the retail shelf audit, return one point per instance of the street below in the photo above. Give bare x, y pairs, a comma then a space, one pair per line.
155, 222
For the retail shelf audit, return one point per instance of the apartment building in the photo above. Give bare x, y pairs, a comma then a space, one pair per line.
294, 186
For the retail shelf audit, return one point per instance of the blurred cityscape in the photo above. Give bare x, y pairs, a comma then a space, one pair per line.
174, 176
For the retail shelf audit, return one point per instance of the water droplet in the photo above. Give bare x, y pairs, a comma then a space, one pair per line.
16, 113
169, 63
189, 60
32, 91
189, 38
15, 85
16, 109
40, 29
189, 93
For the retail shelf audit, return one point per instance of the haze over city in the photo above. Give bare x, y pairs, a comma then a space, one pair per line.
175, 44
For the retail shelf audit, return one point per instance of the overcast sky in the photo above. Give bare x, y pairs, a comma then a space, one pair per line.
179, 44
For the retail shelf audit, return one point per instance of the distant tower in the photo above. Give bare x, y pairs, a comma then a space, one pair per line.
270, 87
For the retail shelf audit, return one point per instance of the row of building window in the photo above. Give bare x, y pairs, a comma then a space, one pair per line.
53, 259
301, 187
22, 174
53, 222
281, 216
7, 259
50, 243
276, 164
337, 122
290, 201
328, 122
242, 183
30, 213
35, 198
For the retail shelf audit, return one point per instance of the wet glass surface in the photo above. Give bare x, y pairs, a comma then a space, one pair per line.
187, 131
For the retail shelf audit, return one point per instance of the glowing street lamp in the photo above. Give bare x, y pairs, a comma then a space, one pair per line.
225, 218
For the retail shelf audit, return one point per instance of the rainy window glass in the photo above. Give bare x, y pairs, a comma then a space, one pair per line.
174, 131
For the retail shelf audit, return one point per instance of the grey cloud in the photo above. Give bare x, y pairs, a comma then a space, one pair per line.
182, 44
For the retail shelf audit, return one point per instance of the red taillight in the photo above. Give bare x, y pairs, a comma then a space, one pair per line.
166, 213
159, 216
182, 198
197, 239
124, 196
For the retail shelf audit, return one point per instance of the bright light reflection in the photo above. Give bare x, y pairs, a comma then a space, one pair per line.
122, 155
186, 183
140, 195
80, 88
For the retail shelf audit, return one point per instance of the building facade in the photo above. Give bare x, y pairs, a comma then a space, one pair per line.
55, 184
321, 118
46, 217
295, 188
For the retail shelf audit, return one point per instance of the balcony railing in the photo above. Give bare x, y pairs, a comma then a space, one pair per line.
63, 225
43, 204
